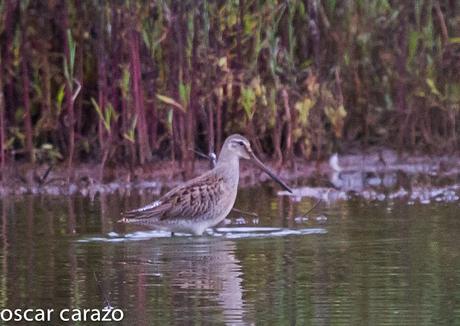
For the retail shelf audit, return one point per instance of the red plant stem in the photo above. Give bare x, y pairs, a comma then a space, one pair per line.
138, 95
10, 20
154, 125
287, 112
277, 143
79, 106
27, 115
219, 123
71, 139
181, 139
401, 67
191, 114
211, 136
26, 101
315, 31
2, 126
80, 75
401, 103
173, 143
240, 31
172, 85
101, 88
180, 34
46, 84
69, 103
442, 22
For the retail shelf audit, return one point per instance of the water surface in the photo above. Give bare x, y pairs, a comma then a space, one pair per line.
355, 262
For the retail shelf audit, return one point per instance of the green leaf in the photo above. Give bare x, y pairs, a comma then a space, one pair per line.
130, 134
98, 109
107, 116
433, 87
184, 93
336, 116
248, 101
412, 45
69, 63
331, 5
110, 115
222, 62
125, 81
303, 108
60, 98
170, 119
146, 38
171, 101
72, 47
9, 143
66, 70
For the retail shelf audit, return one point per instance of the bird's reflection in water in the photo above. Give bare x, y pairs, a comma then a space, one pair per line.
195, 270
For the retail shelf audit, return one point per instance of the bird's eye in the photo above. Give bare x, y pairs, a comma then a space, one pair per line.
240, 142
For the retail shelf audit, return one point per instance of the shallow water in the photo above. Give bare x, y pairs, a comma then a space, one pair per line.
355, 262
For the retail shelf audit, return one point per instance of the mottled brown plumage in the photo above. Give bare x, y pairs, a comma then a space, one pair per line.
191, 199
202, 202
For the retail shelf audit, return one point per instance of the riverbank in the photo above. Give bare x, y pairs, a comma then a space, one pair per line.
349, 173
382, 170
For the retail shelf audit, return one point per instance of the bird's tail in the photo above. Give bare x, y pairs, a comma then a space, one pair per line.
143, 215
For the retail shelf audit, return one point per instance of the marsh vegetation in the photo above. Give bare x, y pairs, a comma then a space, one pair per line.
135, 82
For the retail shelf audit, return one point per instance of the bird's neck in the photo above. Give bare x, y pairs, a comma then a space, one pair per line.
228, 157
229, 164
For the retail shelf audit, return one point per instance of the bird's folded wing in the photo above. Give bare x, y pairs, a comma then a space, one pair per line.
190, 201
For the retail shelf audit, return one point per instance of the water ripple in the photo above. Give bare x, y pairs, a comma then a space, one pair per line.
226, 232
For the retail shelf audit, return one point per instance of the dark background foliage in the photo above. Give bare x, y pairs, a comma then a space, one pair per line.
132, 82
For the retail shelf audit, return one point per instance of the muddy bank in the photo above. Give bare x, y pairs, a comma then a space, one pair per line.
375, 176
86, 180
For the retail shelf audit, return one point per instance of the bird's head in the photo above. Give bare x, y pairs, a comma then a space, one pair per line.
239, 146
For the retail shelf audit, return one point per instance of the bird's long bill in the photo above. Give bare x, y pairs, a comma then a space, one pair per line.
270, 173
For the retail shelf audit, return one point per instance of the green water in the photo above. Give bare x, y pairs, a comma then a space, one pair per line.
376, 263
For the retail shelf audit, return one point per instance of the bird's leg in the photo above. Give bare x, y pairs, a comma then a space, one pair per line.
240, 211
312, 208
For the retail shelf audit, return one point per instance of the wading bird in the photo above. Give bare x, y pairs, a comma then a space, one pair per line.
204, 201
